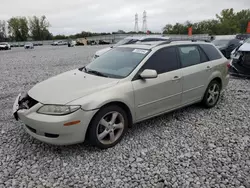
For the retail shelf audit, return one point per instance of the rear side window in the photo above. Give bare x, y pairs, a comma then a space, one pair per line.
211, 51
189, 55
163, 60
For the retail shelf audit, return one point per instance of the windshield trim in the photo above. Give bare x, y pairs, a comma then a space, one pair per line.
112, 76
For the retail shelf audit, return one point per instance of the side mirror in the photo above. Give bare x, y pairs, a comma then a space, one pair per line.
242, 41
148, 73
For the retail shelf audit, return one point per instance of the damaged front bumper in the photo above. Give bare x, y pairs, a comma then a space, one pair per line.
16, 106
22, 102
240, 64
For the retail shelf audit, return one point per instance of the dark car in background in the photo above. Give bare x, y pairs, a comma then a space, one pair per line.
226, 46
243, 36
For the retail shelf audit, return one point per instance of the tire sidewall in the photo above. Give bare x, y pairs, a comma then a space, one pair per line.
91, 133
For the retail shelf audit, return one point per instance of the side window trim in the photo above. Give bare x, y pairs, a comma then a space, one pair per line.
136, 77
185, 45
202, 51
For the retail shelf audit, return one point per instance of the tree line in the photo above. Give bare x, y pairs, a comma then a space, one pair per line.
37, 28
228, 22
22, 28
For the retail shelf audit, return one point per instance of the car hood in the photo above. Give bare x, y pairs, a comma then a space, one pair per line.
3, 45
68, 87
245, 47
102, 51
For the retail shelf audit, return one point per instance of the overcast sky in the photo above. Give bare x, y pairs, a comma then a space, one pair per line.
72, 16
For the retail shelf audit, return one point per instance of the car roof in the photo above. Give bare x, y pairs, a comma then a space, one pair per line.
153, 44
141, 37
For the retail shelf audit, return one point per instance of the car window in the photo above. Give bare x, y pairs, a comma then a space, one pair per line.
163, 60
211, 51
204, 57
189, 55
234, 42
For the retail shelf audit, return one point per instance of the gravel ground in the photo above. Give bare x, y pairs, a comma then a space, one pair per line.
191, 147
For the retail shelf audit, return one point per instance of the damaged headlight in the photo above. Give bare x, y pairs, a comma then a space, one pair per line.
57, 109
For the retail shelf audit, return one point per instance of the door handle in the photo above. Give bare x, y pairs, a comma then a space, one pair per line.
176, 78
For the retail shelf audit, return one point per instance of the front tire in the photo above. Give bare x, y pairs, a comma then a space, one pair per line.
107, 127
212, 94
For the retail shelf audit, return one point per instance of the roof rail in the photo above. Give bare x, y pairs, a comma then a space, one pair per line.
174, 40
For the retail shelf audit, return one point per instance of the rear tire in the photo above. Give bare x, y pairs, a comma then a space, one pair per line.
108, 127
212, 94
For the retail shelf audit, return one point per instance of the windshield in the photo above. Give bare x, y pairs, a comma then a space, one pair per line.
247, 41
223, 42
125, 41
117, 63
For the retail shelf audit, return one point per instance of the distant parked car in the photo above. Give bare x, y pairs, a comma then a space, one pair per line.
226, 46
14, 45
71, 43
242, 36
91, 42
28, 45
5, 46
131, 40
59, 43
103, 42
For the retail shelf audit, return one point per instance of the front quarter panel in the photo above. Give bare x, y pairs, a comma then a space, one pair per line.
122, 92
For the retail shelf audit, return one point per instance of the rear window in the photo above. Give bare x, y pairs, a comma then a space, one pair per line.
211, 51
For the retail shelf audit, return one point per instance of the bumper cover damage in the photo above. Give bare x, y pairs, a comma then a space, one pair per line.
240, 65
22, 102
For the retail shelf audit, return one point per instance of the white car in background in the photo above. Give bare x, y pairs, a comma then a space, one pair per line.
29, 45
59, 43
71, 43
5, 46
131, 40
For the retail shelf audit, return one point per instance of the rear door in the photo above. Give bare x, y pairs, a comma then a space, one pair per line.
156, 95
195, 71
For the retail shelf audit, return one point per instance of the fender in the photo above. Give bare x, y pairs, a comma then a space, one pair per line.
122, 92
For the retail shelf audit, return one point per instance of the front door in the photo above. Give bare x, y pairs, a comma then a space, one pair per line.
156, 95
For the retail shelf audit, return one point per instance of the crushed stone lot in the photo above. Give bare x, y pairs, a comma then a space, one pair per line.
191, 147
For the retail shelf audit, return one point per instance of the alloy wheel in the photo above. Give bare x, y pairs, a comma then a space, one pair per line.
213, 94
110, 127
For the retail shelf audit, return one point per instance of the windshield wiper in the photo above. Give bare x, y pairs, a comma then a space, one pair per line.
95, 72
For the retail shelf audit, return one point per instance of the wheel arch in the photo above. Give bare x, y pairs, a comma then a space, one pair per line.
124, 107
219, 80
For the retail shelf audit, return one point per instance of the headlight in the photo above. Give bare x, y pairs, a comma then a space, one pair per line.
57, 109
